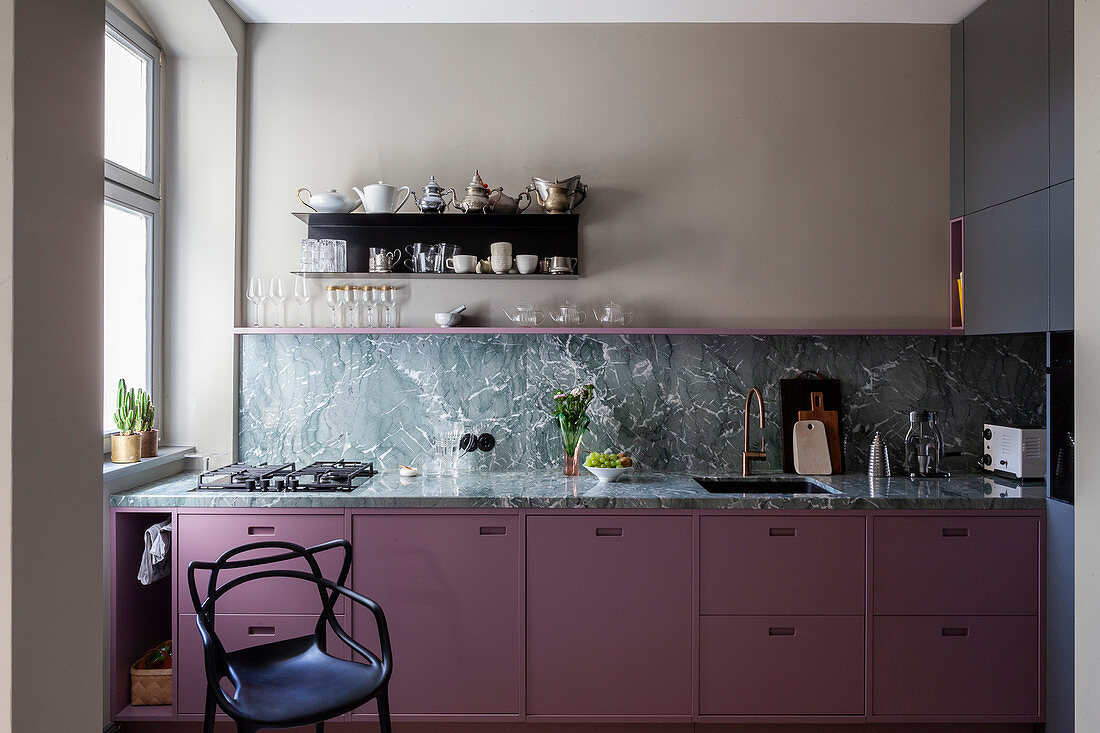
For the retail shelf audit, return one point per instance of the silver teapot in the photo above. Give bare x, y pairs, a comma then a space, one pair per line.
502, 203
559, 196
433, 202
477, 197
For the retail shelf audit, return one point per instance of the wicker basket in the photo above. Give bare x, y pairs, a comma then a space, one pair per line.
151, 686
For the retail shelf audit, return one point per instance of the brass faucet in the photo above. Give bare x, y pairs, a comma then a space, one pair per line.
748, 456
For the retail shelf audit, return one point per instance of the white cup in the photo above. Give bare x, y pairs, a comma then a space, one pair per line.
501, 263
500, 249
462, 263
527, 264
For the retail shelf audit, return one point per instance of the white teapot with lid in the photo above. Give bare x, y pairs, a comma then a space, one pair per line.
381, 198
328, 202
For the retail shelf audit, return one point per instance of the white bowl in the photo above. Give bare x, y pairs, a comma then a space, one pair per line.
606, 475
448, 319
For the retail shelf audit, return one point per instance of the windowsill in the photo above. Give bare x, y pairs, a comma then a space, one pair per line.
166, 456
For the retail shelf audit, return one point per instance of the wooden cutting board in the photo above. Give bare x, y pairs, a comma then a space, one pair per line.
811, 448
817, 411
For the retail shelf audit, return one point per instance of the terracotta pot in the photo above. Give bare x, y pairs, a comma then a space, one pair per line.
149, 440
125, 448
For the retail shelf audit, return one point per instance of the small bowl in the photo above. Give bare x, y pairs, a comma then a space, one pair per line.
446, 320
606, 475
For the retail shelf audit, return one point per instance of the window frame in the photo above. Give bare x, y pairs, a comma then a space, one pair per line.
131, 190
125, 31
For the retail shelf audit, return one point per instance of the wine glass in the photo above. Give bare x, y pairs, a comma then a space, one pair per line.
277, 295
354, 300
334, 298
369, 295
256, 297
301, 297
387, 296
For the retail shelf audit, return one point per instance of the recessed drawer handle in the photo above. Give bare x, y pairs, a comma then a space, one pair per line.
955, 631
493, 530
782, 532
956, 532
261, 530
609, 531
261, 631
781, 631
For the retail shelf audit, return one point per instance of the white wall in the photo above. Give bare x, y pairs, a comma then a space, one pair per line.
1086, 254
741, 175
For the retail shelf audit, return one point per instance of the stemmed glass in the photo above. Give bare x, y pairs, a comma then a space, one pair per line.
388, 298
301, 297
334, 298
370, 305
256, 297
354, 300
277, 295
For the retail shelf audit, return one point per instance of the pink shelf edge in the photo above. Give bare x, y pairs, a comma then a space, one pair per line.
490, 330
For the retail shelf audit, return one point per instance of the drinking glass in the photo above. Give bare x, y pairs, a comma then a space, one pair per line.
370, 304
256, 297
326, 255
307, 261
277, 295
387, 296
340, 247
334, 298
301, 297
354, 299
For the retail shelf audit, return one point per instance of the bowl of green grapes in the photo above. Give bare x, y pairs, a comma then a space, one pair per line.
608, 466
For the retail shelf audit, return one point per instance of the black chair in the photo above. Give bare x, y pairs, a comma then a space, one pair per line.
295, 681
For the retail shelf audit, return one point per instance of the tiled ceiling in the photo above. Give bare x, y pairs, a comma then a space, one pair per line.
604, 11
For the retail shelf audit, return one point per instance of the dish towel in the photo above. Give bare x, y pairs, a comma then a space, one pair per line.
154, 559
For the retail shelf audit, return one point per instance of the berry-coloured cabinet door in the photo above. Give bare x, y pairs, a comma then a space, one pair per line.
609, 615
449, 586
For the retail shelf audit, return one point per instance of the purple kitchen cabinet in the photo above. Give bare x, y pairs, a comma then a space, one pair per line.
776, 563
235, 632
206, 536
609, 615
781, 665
985, 666
450, 588
946, 565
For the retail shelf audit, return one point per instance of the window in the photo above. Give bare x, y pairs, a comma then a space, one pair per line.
131, 211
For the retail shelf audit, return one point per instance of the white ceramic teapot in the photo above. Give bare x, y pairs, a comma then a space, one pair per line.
381, 198
329, 202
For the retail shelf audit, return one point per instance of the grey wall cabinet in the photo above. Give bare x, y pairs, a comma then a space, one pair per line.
1061, 91
1061, 257
1006, 266
1006, 105
957, 131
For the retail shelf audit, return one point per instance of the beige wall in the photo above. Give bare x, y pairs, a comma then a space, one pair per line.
7, 181
53, 214
1086, 252
741, 175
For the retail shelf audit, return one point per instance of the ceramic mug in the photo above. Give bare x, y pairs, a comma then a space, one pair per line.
462, 263
527, 264
501, 263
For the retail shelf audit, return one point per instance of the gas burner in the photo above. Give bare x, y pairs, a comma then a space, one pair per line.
320, 476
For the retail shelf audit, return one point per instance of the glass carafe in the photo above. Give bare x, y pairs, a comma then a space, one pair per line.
923, 445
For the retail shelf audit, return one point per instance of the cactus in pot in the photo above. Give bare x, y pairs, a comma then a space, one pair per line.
126, 443
146, 413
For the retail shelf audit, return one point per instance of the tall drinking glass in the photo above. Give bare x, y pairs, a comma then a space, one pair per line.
256, 297
301, 297
277, 294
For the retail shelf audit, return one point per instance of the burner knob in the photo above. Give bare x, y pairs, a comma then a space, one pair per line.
468, 443
987, 459
250, 484
292, 482
486, 442
280, 483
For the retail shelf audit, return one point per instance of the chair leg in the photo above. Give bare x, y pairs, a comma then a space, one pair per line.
211, 709
383, 712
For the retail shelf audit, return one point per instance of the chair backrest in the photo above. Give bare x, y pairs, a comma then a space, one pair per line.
282, 552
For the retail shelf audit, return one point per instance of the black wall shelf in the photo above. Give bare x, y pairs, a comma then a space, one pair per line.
545, 235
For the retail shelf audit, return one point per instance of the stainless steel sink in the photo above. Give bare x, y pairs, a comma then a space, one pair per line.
761, 485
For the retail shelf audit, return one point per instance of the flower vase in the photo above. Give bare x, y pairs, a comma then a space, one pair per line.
571, 443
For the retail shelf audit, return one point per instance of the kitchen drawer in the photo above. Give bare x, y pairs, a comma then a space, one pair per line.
782, 564
207, 536
956, 665
956, 565
237, 632
781, 665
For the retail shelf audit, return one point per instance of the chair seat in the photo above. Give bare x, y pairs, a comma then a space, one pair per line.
294, 682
